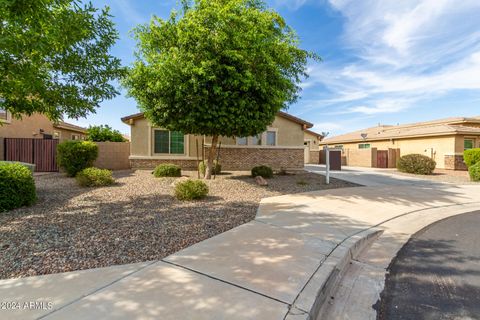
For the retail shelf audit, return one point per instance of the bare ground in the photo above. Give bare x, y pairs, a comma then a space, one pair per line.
137, 219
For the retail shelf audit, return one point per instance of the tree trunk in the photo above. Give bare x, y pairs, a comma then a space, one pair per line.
211, 157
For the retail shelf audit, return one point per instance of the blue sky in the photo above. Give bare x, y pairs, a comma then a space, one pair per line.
384, 61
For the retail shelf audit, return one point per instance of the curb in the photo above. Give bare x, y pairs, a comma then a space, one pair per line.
316, 294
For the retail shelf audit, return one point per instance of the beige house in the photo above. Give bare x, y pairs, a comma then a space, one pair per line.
280, 146
36, 126
443, 140
311, 142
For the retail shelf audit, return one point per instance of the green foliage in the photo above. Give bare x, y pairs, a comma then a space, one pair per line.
471, 156
17, 187
191, 190
218, 68
167, 170
263, 171
54, 57
94, 177
104, 133
474, 172
416, 163
74, 156
217, 167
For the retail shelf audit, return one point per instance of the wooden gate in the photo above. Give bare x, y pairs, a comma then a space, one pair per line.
382, 159
41, 152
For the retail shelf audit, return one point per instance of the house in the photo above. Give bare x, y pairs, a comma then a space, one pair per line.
311, 140
443, 140
36, 126
280, 146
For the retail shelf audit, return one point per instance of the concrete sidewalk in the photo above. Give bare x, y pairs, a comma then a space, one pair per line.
282, 265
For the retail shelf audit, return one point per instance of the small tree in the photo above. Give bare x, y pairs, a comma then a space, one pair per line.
104, 133
54, 57
219, 68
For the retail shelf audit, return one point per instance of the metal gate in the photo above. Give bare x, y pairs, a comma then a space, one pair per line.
41, 152
382, 159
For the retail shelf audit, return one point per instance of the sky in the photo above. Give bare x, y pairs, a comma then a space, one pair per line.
383, 61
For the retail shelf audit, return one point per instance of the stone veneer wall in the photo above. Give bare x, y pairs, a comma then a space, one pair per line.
238, 159
455, 162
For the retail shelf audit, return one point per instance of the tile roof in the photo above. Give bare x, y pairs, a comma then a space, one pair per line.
447, 126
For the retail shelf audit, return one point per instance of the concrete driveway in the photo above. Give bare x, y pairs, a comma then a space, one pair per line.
372, 177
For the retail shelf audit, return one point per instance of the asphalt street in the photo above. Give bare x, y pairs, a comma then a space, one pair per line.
436, 275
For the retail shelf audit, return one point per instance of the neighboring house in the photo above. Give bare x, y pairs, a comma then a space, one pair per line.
36, 126
443, 140
280, 146
312, 144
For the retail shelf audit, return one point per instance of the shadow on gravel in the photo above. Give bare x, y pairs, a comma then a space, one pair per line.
436, 275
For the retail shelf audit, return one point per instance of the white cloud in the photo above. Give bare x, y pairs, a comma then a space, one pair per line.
405, 52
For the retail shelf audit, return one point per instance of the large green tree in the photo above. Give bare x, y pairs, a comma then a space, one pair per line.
103, 133
54, 57
216, 68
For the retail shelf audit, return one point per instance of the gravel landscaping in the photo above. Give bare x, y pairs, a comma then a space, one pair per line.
137, 219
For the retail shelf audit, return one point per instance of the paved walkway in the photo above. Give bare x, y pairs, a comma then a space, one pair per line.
279, 266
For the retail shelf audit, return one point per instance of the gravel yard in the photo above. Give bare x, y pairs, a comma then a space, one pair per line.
138, 219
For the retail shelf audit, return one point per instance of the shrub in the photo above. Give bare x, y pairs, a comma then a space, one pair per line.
74, 156
217, 167
167, 170
104, 133
17, 187
263, 171
471, 157
191, 190
474, 172
94, 177
416, 163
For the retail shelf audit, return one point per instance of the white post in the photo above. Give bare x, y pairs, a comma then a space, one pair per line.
327, 162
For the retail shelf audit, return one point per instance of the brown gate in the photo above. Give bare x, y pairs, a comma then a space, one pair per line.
41, 152
382, 159
335, 160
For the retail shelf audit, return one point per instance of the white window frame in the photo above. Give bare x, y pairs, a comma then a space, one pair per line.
241, 144
8, 118
276, 136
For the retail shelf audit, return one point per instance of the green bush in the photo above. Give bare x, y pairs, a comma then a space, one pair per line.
94, 177
167, 170
17, 187
74, 156
471, 156
191, 190
263, 171
217, 167
417, 164
474, 172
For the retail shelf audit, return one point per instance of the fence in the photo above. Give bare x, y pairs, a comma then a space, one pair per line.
40, 152
113, 155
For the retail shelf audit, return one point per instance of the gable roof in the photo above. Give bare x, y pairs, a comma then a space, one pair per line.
318, 135
448, 126
282, 114
69, 126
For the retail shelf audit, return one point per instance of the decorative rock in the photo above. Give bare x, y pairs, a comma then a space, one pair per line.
261, 181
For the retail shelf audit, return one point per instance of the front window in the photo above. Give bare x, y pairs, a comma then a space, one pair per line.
257, 140
364, 146
242, 141
75, 137
271, 138
468, 144
169, 142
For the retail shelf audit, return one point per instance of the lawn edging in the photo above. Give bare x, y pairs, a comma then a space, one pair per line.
318, 291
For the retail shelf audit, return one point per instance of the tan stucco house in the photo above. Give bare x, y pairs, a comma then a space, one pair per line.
280, 146
311, 141
36, 126
443, 140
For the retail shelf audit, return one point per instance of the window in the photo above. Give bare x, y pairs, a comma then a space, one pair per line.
271, 138
364, 146
169, 142
242, 141
257, 140
75, 137
338, 146
468, 144
56, 135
